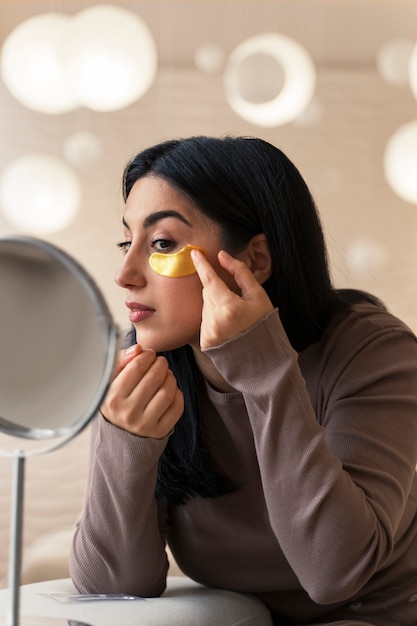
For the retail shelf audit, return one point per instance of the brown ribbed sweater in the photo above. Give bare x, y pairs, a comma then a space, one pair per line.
324, 446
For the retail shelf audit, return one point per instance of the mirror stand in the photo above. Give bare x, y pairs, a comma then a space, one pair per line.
13, 617
58, 350
16, 528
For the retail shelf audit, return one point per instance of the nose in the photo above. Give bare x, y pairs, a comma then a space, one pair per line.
129, 273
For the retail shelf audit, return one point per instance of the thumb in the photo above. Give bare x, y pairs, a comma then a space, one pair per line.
125, 356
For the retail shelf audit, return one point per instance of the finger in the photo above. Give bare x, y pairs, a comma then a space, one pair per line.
124, 356
129, 353
166, 401
150, 383
213, 285
171, 416
241, 274
154, 398
205, 271
129, 394
133, 371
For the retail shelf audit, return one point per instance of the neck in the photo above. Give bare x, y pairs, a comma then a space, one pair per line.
210, 373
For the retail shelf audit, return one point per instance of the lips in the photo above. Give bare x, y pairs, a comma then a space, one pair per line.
139, 312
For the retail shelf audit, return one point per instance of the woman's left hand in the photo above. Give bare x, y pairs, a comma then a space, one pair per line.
226, 314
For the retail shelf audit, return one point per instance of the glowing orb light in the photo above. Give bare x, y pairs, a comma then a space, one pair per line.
299, 80
412, 71
400, 162
40, 194
393, 59
82, 149
32, 65
110, 57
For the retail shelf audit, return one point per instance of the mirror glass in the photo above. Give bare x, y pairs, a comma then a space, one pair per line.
57, 342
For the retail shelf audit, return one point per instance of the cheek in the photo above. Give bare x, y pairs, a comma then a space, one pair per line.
184, 295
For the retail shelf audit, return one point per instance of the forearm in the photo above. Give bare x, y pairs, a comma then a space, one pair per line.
117, 546
335, 478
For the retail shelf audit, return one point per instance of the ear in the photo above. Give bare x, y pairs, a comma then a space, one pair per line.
257, 257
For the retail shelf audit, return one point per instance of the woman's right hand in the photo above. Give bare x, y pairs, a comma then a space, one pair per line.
143, 398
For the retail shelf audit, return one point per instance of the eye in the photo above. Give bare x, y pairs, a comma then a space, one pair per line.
162, 245
124, 246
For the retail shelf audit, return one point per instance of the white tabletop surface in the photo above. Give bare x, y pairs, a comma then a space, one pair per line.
185, 603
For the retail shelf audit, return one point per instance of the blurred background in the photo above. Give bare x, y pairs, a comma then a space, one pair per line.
196, 73
86, 85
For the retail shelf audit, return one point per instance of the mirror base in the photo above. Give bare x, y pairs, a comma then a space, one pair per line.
37, 620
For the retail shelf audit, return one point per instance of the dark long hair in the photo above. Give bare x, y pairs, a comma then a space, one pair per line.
248, 187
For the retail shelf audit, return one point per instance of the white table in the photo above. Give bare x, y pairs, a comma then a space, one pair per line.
184, 603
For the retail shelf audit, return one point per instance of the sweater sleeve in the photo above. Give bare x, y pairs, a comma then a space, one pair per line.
118, 546
337, 476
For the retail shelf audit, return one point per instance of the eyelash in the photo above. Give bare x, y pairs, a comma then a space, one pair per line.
125, 245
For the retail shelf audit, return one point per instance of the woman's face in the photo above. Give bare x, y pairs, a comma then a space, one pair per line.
165, 311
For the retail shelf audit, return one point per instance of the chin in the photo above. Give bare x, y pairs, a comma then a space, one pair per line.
158, 344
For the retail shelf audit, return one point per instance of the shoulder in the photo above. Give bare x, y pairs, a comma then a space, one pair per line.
360, 346
364, 322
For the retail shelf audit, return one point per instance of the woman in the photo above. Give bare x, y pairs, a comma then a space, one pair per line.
261, 423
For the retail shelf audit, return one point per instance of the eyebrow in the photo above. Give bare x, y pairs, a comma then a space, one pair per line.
153, 218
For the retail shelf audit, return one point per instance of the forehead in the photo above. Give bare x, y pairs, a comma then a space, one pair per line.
150, 194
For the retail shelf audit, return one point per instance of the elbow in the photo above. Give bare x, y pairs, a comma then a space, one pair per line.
337, 589
326, 596
345, 577
114, 584
95, 575
137, 590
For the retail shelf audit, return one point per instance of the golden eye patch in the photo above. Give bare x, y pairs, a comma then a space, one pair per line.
174, 265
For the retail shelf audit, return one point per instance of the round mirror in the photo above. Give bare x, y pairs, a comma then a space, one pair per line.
58, 342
